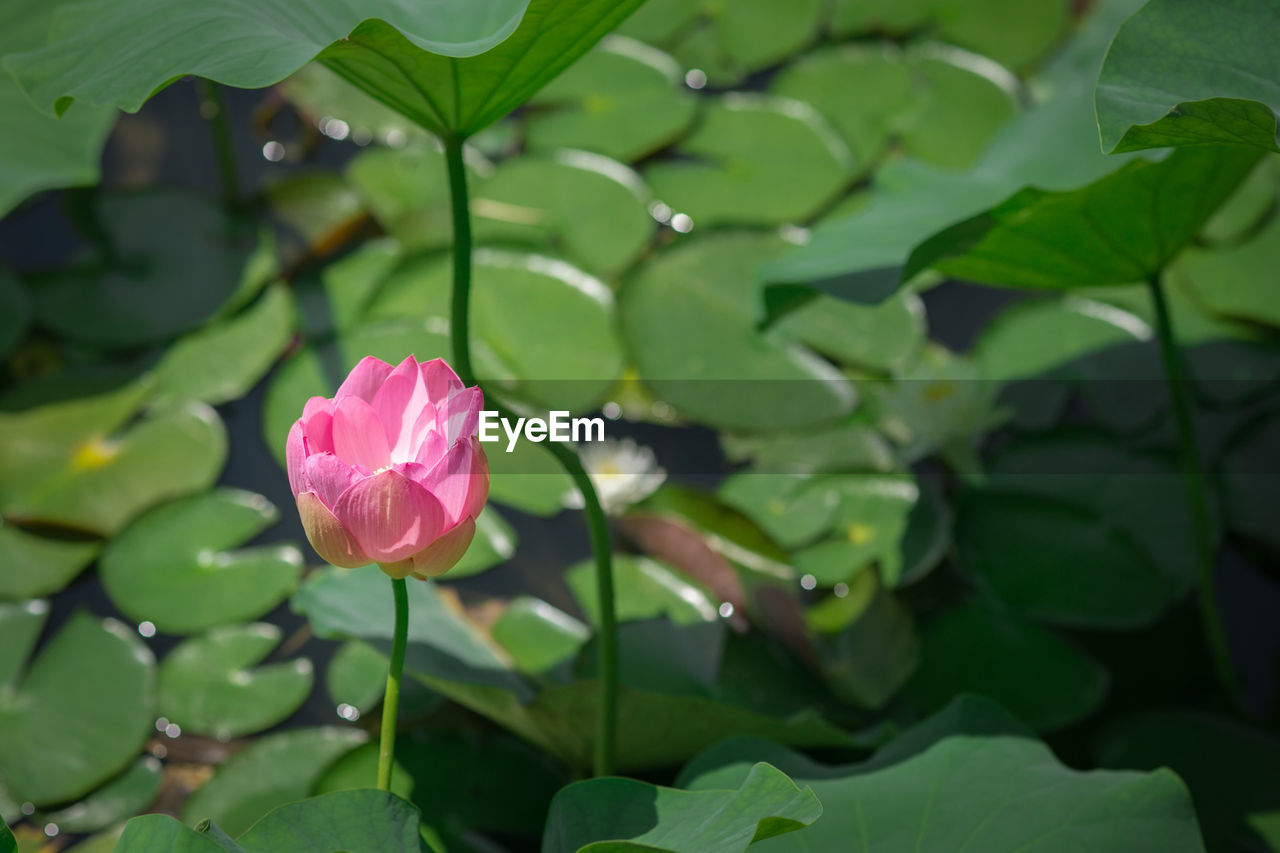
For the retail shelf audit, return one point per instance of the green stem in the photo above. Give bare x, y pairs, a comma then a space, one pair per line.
606, 726
214, 107
391, 702
1193, 477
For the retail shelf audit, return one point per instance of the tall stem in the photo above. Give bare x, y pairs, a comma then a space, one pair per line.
391, 701
214, 108
1193, 477
460, 329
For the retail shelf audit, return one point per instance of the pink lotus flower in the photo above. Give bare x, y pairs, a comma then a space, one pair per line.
390, 471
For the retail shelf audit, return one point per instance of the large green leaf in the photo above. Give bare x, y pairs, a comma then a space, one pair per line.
1192, 72
37, 150
624, 99
207, 685
51, 749
271, 771
80, 463
616, 815
690, 321
1229, 768
754, 160
968, 778
351, 821
1124, 227
245, 48
980, 647
180, 567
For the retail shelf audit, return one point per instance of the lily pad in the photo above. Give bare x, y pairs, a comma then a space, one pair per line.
644, 589
224, 360
357, 676
1059, 562
938, 104
629, 815
754, 160
77, 463
269, 772
1233, 281
980, 647
734, 38
118, 800
170, 261
38, 565
1192, 74
690, 321
180, 567
537, 635
1124, 227
519, 304
591, 209
407, 192
50, 751
970, 772
884, 337
207, 686
623, 99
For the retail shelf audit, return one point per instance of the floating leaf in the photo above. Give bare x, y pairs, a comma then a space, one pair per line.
980, 648
207, 687
757, 161
690, 321
519, 302
224, 360
626, 814
1125, 227
77, 464
741, 36
1182, 73
51, 751
37, 565
968, 773
118, 800
624, 100
269, 772
592, 209
407, 192
494, 543
171, 261
316, 213
882, 337
537, 635
180, 567
357, 676
1235, 281
644, 589
1058, 562
353, 821
941, 106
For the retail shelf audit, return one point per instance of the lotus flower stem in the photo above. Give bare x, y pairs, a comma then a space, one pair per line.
391, 701
601, 546
1193, 477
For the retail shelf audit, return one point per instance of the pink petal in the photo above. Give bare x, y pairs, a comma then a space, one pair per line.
461, 414
445, 552
439, 378
295, 455
411, 444
358, 436
329, 476
317, 424
364, 379
431, 449
398, 403
460, 481
391, 516
327, 535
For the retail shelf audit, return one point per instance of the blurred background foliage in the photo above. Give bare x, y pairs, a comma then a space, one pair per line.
874, 506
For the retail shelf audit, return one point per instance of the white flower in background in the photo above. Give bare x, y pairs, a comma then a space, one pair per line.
622, 471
